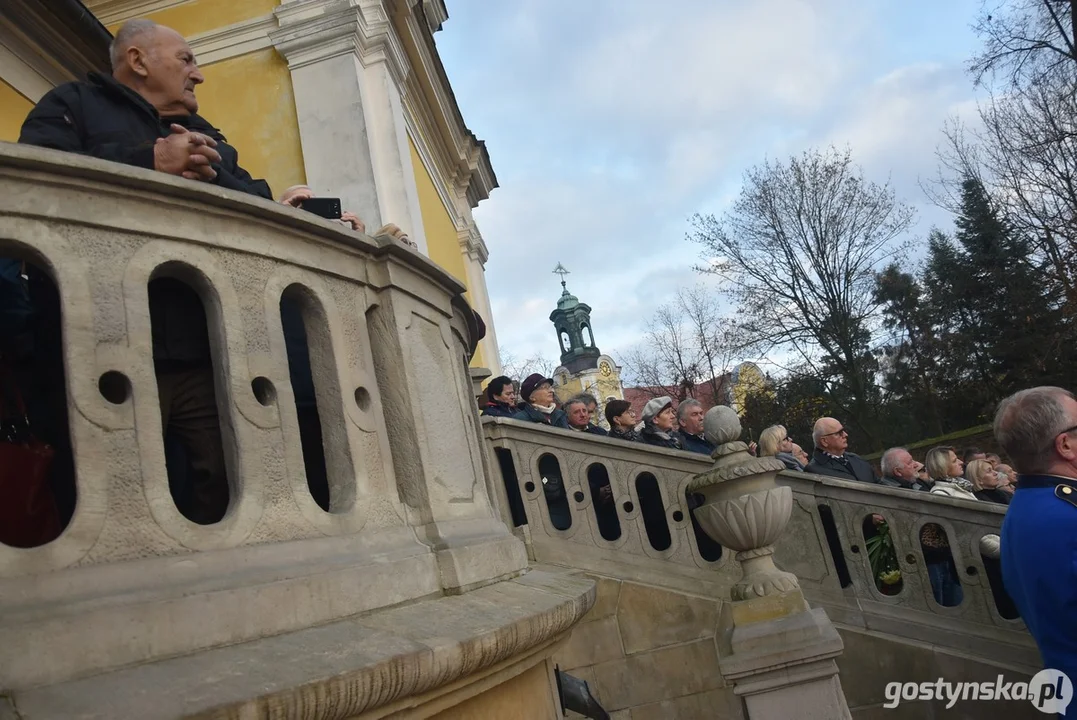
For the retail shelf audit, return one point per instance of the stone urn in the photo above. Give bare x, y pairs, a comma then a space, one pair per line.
743, 507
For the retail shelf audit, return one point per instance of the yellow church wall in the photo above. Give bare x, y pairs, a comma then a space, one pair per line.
442, 242
13, 110
250, 99
205, 15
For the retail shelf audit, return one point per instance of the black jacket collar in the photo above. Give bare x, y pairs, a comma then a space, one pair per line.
113, 87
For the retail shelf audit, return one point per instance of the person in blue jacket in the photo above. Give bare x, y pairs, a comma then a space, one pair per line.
1037, 428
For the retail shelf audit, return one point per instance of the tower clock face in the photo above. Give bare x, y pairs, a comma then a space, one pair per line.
605, 369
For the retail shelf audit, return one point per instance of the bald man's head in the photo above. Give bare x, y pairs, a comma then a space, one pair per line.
830, 435
156, 62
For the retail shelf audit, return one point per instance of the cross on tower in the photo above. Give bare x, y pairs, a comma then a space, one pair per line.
560, 270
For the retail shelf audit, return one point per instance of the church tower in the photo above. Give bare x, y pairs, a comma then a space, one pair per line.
584, 369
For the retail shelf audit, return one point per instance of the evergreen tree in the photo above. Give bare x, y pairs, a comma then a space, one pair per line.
1018, 330
977, 327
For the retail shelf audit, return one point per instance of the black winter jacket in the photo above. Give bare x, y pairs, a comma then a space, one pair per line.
529, 414
591, 430
107, 120
499, 409
650, 436
857, 469
629, 436
694, 443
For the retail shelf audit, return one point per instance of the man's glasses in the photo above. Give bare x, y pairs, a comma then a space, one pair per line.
843, 431
1067, 431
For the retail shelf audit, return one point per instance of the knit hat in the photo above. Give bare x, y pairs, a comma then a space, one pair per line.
533, 381
656, 406
616, 408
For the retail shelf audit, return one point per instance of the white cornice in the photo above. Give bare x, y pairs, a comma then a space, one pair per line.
234, 40
436, 14
314, 30
26, 68
471, 166
472, 243
110, 12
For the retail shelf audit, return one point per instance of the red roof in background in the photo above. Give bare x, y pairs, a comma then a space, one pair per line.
639, 396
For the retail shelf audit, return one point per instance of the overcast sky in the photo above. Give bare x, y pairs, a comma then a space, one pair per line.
610, 122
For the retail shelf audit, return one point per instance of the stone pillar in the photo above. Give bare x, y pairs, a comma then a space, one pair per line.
421, 348
347, 67
778, 653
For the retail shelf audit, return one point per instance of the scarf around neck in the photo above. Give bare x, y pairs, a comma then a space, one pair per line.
544, 409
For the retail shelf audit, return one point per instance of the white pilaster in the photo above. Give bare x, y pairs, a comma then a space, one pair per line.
475, 254
347, 67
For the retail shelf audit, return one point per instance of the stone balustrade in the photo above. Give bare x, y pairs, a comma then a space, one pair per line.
823, 545
651, 526
826, 547
131, 580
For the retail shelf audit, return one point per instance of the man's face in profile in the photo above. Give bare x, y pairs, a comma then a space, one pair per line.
172, 73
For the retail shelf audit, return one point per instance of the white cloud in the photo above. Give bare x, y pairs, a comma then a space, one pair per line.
609, 124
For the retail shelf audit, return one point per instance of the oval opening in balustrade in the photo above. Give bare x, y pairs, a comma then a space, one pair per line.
37, 470
319, 400
833, 542
941, 569
882, 556
295, 316
708, 548
512, 486
653, 511
553, 487
603, 502
183, 360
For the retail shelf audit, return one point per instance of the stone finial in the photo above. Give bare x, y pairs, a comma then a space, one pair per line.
721, 425
744, 508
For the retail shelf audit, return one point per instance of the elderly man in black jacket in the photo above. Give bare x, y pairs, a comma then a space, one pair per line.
831, 458
146, 115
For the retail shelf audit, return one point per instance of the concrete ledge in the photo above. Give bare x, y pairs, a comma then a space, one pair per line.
65, 625
338, 670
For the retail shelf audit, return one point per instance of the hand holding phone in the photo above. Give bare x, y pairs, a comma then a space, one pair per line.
328, 208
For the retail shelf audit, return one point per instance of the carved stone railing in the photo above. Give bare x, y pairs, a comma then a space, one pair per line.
656, 531
131, 579
825, 549
825, 546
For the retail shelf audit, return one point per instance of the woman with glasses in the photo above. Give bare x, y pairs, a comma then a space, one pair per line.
775, 442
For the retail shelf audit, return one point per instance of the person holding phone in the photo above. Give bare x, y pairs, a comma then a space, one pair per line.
297, 195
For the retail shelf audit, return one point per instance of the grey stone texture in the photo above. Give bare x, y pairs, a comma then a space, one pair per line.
280, 608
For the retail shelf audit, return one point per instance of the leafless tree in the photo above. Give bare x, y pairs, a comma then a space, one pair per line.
798, 252
519, 368
688, 345
1025, 40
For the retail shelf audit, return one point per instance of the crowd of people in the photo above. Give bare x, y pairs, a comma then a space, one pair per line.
660, 424
970, 475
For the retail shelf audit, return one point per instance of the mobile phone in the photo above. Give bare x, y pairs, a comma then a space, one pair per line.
323, 207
